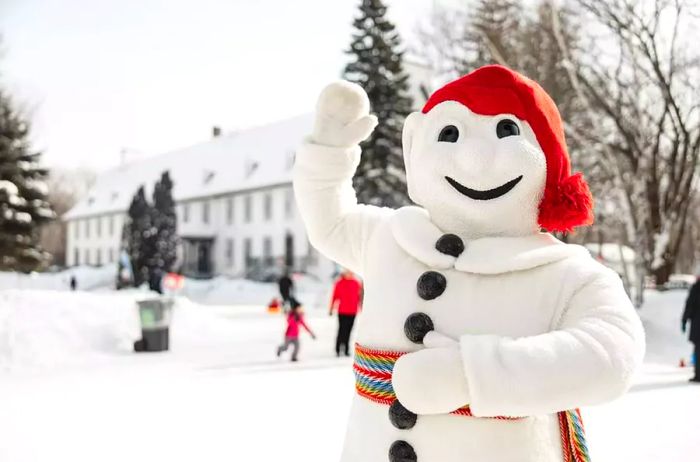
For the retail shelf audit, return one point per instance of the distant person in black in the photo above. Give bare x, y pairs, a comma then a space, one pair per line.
73, 283
692, 314
286, 286
155, 280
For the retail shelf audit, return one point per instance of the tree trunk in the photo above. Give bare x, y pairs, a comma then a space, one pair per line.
638, 299
663, 272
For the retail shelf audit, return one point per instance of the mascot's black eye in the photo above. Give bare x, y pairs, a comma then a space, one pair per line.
449, 134
507, 127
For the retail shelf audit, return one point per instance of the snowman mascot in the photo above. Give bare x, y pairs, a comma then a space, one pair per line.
482, 334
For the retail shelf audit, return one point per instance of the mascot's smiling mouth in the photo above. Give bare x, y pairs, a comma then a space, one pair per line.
484, 195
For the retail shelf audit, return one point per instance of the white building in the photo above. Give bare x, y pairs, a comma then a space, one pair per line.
235, 205
236, 209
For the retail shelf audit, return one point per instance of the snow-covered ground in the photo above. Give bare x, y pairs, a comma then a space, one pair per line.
72, 390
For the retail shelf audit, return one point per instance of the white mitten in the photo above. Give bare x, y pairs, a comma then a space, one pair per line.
431, 381
342, 116
435, 339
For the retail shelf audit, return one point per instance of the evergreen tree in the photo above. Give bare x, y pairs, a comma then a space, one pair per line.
23, 194
165, 223
376, 66
140, 237
150, 234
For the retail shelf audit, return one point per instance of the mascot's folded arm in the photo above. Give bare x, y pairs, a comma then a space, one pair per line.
588, 360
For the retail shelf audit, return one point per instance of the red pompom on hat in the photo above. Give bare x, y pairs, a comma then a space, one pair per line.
493, 90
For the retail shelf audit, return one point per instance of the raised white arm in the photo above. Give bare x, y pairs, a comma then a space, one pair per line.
325, 163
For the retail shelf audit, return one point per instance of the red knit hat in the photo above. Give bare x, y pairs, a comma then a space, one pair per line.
492, 90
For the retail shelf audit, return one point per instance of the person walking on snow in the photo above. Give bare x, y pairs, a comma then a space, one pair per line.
692, 315
295, 319
286, 288
347, 298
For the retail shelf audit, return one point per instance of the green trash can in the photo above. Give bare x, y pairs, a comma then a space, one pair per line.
155, 315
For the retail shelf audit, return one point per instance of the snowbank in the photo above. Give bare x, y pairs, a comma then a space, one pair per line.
50, 329
45, 331
217, 291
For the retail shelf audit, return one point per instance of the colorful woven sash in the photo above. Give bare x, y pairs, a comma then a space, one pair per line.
373, 370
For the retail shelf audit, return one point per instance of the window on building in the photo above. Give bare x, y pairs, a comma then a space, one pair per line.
229, 253
86, 259
76, 229
229, 210
205, 212
110, 224
98, 257
98, 226
76, 257
111, 255
185, 213
248, 252
289, 250
288, 204
268, 206
248, 208
267, 251
87, 227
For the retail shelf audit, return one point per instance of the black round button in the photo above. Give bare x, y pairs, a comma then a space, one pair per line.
431, 284
401, 451
450, 244
416, 326
400, 417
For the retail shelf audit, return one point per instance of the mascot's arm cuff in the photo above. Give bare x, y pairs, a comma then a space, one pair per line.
337, 226
589, 359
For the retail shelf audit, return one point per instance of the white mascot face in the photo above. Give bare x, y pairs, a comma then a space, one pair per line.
476, 175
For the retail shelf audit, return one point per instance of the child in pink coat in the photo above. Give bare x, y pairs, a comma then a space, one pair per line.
295, 319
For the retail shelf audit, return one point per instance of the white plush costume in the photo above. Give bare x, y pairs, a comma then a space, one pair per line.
524, 325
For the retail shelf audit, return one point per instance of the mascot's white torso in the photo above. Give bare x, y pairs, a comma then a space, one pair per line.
521, 326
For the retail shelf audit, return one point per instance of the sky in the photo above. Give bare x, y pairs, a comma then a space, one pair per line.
99, 78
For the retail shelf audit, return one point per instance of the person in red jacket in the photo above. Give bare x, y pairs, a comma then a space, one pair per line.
295, 320
347, 298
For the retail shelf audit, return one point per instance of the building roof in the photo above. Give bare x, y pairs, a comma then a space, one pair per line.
249, 159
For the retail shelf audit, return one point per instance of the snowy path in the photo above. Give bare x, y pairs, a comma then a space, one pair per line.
221, 395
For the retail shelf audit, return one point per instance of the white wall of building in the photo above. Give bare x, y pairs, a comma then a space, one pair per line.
260, 218
94, 240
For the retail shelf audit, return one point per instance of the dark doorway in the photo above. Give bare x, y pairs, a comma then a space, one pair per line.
204, 257
197, 257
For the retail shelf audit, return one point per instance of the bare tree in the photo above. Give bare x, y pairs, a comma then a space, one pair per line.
66, 187
519, 35
458, 39
640, 89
